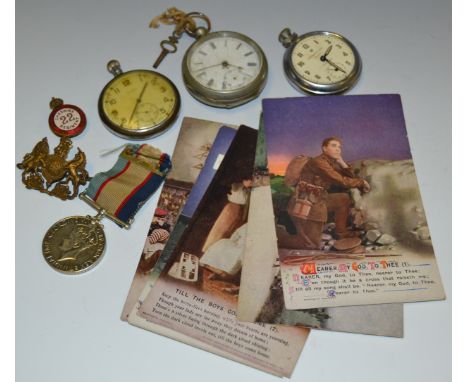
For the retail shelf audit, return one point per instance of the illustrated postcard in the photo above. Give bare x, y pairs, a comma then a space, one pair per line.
349, 218
261, 294
197, 289
193, 145
181, 269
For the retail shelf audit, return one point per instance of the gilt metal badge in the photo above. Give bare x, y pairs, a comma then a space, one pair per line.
53, 174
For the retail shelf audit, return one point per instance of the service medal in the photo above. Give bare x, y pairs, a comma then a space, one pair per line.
74, 244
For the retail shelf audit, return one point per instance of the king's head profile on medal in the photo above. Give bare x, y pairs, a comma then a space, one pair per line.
76, 244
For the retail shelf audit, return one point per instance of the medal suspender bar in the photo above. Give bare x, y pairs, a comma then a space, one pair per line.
76, 244
120, 192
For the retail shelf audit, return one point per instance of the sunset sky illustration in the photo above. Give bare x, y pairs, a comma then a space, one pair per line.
370, 126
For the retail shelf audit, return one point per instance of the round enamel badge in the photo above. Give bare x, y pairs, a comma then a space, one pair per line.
66, 120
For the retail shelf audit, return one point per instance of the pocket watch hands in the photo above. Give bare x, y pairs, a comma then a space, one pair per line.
138, 101
335, 66
208, 67
225, 65
241, 69
324, 58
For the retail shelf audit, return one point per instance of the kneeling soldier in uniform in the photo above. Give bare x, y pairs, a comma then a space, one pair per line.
323, 187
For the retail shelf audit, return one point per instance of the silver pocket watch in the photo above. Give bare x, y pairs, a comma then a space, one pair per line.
320, 62
224, 69
221, 69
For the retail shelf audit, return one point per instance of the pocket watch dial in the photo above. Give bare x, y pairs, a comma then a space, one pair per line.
138, 100
323, 59
224, 63
224, 69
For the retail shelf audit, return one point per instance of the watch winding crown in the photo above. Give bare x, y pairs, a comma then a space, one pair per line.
114, 67
286, 37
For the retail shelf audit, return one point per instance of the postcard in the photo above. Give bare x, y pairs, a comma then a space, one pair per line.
212, 162
182, 269
193, 145
350, 221
261, 294
196, 292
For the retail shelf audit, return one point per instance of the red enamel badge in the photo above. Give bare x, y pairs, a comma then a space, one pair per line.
66, 120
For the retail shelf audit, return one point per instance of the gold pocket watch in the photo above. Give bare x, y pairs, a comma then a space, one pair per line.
320, 62
221, 69
138, 104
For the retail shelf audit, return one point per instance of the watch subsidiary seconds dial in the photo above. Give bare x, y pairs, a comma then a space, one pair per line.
320, 62
138, 104
224, 69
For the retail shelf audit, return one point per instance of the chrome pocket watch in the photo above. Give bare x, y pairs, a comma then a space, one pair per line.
320, 62
138, 104
221, 69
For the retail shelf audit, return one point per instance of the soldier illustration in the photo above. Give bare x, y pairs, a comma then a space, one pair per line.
322, 185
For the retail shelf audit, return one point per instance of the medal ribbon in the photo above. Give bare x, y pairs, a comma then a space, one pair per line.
137, 174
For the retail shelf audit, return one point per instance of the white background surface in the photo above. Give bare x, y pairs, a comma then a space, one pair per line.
68, 328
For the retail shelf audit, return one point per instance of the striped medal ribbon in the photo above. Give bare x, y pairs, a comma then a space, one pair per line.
120, 192
76, 244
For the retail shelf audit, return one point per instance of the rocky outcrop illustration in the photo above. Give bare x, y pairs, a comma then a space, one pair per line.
392, 212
